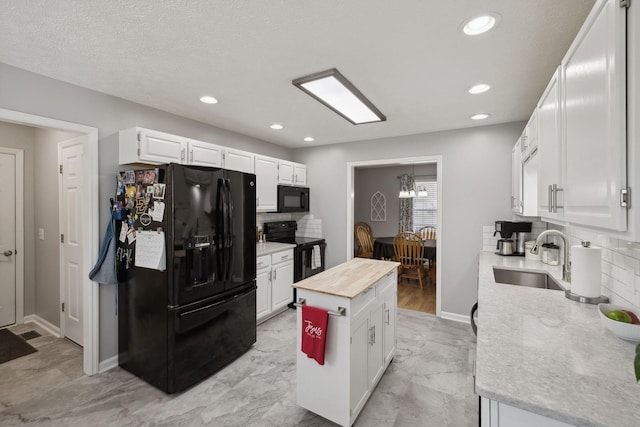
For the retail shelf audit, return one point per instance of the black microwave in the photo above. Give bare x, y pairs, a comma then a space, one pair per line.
293, 199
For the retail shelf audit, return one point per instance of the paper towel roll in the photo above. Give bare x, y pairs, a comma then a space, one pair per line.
585, 270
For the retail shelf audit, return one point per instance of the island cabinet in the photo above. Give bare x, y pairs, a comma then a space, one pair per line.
361, 296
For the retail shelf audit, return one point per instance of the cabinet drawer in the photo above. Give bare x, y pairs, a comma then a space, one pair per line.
263, 262
386, 282
360, 303
282, 257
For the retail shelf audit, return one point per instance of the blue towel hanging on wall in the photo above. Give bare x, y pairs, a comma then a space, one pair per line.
105, 269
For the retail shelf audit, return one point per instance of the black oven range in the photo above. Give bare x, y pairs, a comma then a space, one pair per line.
308, 255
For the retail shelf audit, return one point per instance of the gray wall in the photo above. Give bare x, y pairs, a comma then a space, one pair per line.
34, 94
476, 185
23, 138
385, 180
47, 251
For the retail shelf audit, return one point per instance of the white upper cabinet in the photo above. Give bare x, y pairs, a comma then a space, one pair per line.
594, 115
291, 173
550, 154
299, 174
516, 178
138, 145
237, 160
529, 137
202, 153
285, 172
266, 170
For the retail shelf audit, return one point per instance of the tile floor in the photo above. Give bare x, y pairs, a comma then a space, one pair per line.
429, 383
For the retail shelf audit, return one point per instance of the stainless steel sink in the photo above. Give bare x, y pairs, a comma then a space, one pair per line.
525, 278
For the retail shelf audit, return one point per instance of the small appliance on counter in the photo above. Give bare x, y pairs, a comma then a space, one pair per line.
513, 236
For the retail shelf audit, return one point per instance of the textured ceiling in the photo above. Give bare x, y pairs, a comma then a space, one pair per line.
408, 57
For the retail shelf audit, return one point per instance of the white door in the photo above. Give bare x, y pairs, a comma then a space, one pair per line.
281, 281
204, 154
159, 147
237, 160
285, 173
7, 239
266, 169
299, 174
70, 154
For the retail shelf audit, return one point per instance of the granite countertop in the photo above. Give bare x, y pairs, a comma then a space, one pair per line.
348, 279
541, 352
266, 248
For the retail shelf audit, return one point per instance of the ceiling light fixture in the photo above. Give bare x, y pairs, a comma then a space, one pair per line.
309, 139
276, 126
480, 24
480, 116
208, 99
479, 88
337, 93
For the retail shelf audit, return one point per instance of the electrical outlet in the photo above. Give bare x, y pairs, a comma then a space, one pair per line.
41, 233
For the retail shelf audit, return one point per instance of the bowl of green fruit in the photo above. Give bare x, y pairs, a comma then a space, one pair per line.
622, 321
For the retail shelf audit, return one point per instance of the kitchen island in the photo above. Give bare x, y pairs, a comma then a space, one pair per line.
361, 295
544, 360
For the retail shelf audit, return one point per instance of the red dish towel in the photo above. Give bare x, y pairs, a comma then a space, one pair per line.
314, 332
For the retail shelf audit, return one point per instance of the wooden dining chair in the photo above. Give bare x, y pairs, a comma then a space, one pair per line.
365, 242
427, 232
409, 251
358, 248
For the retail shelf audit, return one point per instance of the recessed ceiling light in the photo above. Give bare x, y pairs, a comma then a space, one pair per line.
479, 88
208, 99
309, 139
336, 92
480, 24
276, 126
480, 116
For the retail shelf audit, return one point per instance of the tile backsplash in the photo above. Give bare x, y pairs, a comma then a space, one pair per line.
620, 263
620, 259
308, 226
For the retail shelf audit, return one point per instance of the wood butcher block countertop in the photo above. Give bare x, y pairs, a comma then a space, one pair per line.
348, 279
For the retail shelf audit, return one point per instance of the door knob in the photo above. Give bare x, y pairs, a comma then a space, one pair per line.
7, 253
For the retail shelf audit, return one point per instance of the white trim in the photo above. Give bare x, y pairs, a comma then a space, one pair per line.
440, 229
108, 364
462, 318
44, 324
90, 228
19, 242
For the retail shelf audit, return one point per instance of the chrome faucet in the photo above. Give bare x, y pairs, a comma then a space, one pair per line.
566, 267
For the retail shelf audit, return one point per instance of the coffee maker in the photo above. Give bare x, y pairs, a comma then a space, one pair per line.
513, 235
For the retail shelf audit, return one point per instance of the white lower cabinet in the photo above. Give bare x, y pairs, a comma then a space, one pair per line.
274, 277
496, 414
359, 348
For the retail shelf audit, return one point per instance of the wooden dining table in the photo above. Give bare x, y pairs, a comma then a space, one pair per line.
383, 248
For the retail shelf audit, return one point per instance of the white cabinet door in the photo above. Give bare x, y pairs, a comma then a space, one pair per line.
285, 172
263, 293
595, 120
530, 136
358, 364
158, 147
390, 299
266, 170
299, 174
375, 359
202, 153
281, 289
516, 178
238, 160
550, 153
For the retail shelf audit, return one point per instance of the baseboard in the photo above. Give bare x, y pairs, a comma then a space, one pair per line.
107, 364
47, 326
462, 318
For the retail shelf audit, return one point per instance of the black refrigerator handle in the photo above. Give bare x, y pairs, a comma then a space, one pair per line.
229, 230
220, 232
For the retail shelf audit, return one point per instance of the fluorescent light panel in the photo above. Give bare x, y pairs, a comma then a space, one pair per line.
333, 90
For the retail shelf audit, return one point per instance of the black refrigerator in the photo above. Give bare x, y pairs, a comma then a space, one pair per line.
188, 314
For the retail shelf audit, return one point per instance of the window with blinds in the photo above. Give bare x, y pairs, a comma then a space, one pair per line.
425, 209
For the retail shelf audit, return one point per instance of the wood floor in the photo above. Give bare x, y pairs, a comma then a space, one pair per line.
411, 297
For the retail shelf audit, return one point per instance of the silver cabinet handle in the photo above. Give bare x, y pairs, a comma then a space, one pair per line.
191, 156
388, 317
7, 253
285, 257
274, 274
550, 197
182, 155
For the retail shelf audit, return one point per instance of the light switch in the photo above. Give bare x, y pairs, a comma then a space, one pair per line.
41, 233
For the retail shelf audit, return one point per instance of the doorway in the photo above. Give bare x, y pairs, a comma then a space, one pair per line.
392, 225
88, 224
